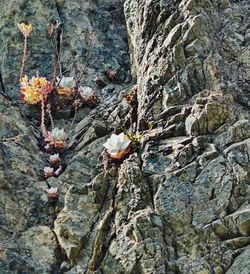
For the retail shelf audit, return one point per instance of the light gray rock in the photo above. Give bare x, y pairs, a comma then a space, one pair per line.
180, 203
241, 264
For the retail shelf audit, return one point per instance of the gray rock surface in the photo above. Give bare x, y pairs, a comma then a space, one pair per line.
180, 203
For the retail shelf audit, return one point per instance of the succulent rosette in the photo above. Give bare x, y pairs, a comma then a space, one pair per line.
52, 192
117, 145
54, 158
86, 92
57, 137
48, 172
65, 85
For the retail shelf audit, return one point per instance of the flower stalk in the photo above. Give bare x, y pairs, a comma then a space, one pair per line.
25, 47
43, 127
25, 29
50, 115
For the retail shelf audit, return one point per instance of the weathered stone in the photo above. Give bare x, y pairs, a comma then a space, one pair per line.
177, 204
238, 222
206, 118
42, 244
81, 208
241, 263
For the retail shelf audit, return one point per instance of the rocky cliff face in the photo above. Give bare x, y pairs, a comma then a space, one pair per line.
180, 204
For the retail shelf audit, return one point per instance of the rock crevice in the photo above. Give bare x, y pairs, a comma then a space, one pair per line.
180, 203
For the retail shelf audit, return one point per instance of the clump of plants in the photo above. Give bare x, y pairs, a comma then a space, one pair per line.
62, 91
52, 95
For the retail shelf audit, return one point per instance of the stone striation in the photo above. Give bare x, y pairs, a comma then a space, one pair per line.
180, 204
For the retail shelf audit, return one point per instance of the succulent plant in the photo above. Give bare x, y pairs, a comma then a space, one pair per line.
57, 137
48, 172
117, 145
52, 192
54, 158
65, 85
85, 92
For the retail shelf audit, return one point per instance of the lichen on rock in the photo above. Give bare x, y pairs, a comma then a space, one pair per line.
179, 203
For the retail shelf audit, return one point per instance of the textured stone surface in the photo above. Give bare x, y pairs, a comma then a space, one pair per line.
180, 204
42, 244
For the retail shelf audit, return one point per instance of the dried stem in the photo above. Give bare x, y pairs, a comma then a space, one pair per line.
119, 123
12, 139
56, 33
131, 118
55, 69
57, 58
25, 47
88, 55
73, 121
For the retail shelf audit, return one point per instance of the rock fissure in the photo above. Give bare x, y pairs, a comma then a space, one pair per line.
1, 84
181, 205
107, 225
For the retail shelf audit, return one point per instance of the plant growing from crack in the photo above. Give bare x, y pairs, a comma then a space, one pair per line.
37, 89
54, 158
49, 94
119, 147
48, 172
56, 138
53, 193
65, 85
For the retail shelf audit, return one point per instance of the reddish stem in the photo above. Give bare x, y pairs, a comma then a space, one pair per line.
51, 118
43, 127
24, 56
